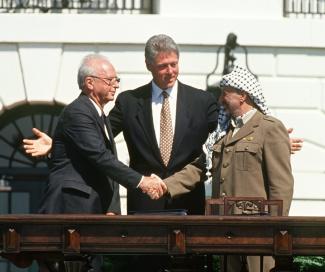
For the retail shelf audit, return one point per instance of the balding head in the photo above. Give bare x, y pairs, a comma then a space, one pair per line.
92, 65
97, 79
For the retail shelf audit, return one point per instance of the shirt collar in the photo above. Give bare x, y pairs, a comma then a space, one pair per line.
98, 109
156, 91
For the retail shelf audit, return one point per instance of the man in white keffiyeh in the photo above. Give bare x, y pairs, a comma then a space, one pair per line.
240, 79
249, 154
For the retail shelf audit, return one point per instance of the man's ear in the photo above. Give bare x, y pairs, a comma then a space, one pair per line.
148, 65
89, 83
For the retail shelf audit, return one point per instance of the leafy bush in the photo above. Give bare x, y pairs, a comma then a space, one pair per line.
304, 263
310, 263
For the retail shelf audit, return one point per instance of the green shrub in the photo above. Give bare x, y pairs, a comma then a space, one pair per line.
304, 263
310, 263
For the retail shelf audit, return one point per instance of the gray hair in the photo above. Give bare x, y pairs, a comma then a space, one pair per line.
159, 43
87, 68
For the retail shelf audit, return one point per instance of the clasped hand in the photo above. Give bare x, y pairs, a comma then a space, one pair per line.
153, 186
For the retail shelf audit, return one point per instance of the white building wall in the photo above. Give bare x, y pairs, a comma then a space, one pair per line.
40, 53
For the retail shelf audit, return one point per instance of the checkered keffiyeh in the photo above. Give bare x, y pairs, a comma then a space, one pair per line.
241, 79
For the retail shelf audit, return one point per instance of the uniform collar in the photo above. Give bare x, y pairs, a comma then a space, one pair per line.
238, 122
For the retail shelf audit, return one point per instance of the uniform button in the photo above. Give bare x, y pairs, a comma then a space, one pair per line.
226, 164
222, 180
227, 150
246, 148
223, 194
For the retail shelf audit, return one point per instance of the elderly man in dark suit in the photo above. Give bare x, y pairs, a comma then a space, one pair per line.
84, 163
85, 168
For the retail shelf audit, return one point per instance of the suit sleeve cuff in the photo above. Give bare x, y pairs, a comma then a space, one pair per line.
140, 182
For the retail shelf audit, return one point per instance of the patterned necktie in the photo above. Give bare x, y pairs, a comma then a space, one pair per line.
166, 130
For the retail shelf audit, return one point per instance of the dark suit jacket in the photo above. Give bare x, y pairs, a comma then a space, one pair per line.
84, 167
196, 115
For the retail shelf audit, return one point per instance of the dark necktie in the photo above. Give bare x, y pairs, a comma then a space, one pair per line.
107, 124
166, 130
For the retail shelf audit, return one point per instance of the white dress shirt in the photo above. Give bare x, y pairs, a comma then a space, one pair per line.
157, 99
100, 112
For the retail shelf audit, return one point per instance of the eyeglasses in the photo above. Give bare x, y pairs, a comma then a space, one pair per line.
111, 80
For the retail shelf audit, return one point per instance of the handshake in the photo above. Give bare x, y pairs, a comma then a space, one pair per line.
153, 186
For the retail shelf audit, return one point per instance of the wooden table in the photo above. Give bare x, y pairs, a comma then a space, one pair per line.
27, 237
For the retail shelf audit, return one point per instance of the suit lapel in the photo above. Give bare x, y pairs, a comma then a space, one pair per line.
181, 119
86, 100
144, 117
247, 129
110, 133
101, 122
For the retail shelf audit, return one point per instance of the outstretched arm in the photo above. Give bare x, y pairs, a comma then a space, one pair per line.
40, 146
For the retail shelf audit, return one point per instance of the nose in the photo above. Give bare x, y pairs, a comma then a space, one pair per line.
169, 69
116, 85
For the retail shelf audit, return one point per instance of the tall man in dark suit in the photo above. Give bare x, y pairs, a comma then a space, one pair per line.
137, 113
140, 115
